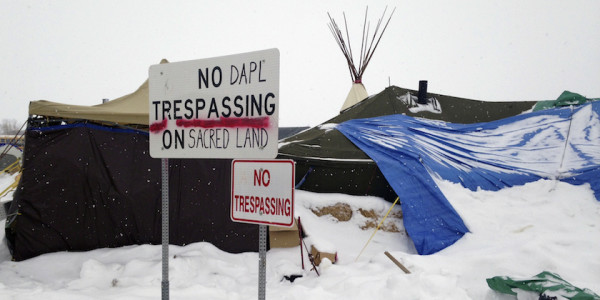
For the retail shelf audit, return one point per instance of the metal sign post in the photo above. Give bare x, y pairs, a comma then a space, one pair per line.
165, 228
262, 261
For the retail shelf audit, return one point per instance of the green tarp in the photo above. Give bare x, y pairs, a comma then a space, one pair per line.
545, 283
565, 99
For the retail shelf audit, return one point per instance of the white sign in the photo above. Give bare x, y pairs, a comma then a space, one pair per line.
223, 107
262, 192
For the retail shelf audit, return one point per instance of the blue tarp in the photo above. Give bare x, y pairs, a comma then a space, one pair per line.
560, 143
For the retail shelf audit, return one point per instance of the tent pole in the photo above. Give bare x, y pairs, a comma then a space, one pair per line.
388, 212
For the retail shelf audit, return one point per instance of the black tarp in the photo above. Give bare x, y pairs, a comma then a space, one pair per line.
86, 186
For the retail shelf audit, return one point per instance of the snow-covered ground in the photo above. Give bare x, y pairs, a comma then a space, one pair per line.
518, 232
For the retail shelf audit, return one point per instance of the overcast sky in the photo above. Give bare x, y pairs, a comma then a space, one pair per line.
80, 52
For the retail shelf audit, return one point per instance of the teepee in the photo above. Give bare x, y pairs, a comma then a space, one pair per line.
368, 45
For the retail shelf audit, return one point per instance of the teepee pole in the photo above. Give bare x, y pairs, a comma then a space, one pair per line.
368, 43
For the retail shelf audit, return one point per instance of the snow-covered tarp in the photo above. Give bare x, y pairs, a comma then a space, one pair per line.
559, 144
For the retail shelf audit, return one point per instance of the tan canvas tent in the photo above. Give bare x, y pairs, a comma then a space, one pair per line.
128, 109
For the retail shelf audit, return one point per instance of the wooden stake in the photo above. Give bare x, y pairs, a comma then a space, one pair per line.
397, 262
300, 240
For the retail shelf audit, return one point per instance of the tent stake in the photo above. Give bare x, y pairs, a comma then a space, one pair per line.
401, 266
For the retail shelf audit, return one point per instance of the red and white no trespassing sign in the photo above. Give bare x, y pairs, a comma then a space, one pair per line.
262, 192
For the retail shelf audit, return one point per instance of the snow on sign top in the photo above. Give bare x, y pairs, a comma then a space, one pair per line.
222, 107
